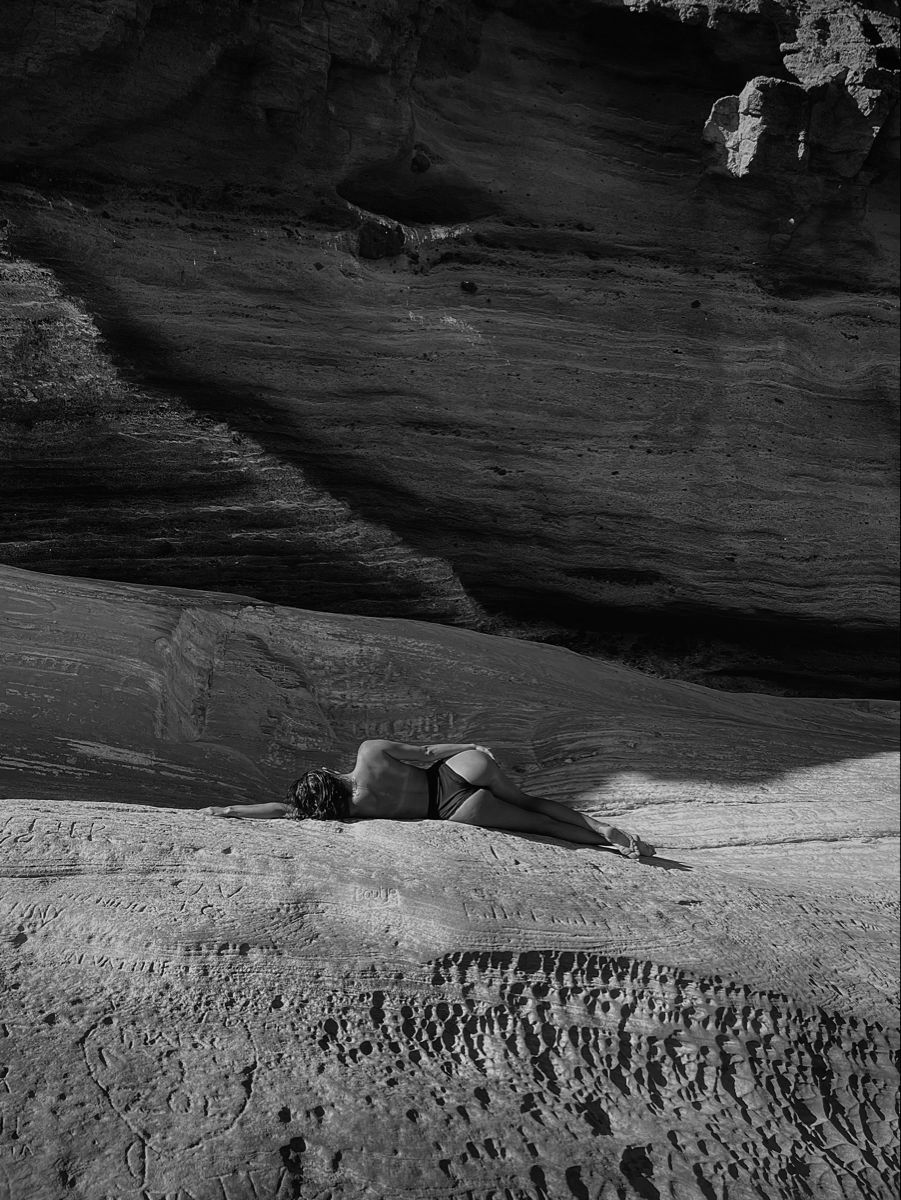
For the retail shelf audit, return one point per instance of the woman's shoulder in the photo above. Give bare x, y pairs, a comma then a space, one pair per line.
376, 746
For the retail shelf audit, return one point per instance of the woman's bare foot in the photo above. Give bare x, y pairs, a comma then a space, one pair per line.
637, 848
626, 844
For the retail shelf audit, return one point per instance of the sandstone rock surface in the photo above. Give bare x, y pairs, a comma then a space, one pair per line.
659, 419
448, 311
657, 453
247, 94
203, 1009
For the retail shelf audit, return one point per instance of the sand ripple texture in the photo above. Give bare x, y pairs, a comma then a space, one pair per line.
208, 1010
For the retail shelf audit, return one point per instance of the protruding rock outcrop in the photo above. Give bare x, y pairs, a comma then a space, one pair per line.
196, 1007
848, 59
840, 113
764, 131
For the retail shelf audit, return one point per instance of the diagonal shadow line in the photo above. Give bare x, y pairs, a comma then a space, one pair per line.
143, 353
148, 357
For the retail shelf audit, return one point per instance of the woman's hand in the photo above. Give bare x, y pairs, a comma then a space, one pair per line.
216, 810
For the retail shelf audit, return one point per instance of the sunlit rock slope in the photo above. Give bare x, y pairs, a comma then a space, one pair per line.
202, 1009
576, 320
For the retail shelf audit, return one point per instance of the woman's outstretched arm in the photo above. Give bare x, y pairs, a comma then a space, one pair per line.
270, 811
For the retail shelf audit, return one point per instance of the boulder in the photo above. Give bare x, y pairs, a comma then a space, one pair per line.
762, 131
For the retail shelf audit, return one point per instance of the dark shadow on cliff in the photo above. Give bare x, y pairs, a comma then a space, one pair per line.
774, 654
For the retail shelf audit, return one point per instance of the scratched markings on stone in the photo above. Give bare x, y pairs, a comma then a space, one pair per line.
647, 1074
171, 1087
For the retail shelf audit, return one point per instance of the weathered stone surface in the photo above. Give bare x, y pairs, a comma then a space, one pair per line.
763, 131
282, 95
662, 392
665, 420
830, 122
848, 59
587, 440
196, 1008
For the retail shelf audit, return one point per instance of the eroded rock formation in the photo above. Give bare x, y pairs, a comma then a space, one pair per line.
252, 94
196, 1008
836, 118
602, 393
554, 319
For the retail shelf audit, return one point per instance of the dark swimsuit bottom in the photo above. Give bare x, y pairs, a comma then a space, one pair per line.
447, 791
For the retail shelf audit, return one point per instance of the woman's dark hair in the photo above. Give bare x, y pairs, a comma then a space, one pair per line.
318, 796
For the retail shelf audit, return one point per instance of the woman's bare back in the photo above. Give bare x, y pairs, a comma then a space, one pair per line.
386, 786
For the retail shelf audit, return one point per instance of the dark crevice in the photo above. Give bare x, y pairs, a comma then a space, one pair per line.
653, 45
445, 196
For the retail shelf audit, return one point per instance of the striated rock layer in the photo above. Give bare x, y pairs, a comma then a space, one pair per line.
200, 1009
565, 320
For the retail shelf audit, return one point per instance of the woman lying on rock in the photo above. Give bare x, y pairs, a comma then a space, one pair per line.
391, 780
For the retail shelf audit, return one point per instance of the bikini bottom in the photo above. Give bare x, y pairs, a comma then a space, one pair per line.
447, 791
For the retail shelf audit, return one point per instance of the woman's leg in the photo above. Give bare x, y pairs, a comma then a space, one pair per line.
485, 809
479, 768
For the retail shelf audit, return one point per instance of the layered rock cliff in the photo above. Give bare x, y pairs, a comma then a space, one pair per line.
575, 321
197, 1008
